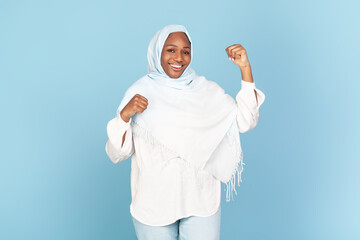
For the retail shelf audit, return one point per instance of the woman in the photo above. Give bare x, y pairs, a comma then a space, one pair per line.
182, 133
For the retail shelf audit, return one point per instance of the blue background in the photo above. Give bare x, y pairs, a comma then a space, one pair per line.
64, 67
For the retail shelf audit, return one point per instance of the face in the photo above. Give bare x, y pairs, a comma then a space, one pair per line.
176, 54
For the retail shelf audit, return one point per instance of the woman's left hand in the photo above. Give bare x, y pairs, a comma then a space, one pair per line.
237, 54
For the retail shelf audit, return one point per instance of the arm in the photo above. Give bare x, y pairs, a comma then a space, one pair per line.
119, 145
248, 105
249, 99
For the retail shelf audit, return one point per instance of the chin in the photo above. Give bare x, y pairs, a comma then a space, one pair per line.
175, 74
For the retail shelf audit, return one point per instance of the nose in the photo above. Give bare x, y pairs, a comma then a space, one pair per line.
178, 56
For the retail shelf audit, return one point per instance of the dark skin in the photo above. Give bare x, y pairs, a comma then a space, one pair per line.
175, 57
136, 105
176, 54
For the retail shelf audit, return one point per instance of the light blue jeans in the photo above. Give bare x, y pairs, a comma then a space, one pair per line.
190, 228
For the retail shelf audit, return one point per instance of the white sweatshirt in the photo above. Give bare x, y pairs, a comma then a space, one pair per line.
165, 191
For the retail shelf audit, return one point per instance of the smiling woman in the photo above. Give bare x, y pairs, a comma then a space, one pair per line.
176, 54
182, 132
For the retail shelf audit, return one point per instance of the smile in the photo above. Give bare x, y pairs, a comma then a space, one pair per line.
176, 67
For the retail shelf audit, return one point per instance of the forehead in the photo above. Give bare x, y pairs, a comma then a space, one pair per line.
177, 36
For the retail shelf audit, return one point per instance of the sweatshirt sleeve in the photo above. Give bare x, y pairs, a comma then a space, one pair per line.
115, 131
248, 106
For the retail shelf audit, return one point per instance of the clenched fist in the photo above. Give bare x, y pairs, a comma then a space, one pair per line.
136, 105
237, 54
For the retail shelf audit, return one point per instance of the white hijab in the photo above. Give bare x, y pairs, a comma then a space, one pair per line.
188, 116
156, 72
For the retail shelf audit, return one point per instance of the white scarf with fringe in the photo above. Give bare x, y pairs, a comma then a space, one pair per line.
190, 117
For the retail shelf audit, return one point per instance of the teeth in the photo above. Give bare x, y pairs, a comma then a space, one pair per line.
175, 66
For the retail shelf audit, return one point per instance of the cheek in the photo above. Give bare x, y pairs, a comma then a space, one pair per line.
163, 60
164, 56
188, 59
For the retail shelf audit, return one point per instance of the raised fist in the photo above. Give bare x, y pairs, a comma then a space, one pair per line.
136, 105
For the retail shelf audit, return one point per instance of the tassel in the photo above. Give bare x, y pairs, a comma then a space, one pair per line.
139, 131
231, 184
239, 168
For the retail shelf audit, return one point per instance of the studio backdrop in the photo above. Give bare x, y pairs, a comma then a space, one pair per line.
65, 66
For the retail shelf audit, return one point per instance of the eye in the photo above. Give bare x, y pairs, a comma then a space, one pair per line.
170, 50
186, 52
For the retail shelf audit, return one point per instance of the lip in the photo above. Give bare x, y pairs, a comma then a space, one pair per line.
176, 68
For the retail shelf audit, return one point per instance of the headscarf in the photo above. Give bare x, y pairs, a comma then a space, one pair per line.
190, 116
156, 72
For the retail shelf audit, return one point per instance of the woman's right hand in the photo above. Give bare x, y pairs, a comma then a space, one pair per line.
136, 105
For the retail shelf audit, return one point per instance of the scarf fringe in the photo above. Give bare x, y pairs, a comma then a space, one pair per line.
230, 185
238, 168
139, 131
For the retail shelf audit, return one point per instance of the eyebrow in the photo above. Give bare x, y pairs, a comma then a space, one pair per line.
172, 45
